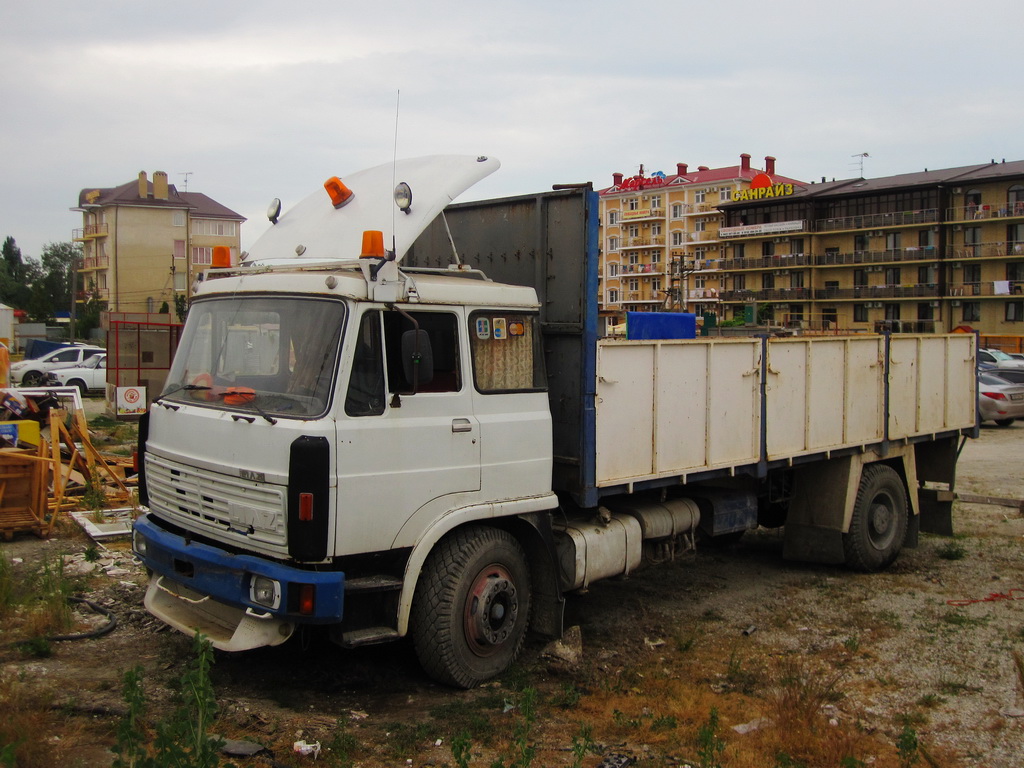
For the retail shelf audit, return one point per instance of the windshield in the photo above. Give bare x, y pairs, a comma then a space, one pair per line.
999, 355
260, 354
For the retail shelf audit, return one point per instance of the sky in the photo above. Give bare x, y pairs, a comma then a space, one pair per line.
251, 100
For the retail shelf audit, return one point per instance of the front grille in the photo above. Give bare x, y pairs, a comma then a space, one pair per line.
220, 503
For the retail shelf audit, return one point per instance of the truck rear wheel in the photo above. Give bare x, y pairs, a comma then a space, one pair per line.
471, 607
879, 525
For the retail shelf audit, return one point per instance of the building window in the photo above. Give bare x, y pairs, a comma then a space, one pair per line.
1014, 311
796, 279
893, 241
972, 311
634, 284
613, 295
724, 195
613, 218
655, 230
634, 257
700, 225
632, 204
634, 230
655, 257
655, 286
613, 270
677, 238
655, 201
768, 248
213, 227
179, 249
178, 218
739, 282
892, 276
892, 311
202, 256
613, 243
860, 278
767, 281
700, 195
796, 246
860, 313
677, 210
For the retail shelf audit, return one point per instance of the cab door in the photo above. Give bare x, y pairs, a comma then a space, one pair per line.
408, 440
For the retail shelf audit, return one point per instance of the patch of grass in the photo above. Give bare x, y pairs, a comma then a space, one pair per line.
568, 697
709, 746
955, 688
956, 619
27, 712
952, 550
930, 700
405, 740
852, 644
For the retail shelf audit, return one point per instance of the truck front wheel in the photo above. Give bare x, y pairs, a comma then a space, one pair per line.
879, 525
471, 607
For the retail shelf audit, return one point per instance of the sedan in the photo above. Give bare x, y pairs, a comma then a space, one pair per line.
999, 358
90, 376
999, 400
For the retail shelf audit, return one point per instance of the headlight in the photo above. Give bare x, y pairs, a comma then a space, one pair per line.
139, 543
264, 591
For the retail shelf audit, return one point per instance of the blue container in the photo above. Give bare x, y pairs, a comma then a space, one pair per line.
660, 325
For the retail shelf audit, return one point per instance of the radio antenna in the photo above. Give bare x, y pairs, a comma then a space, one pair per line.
394, 169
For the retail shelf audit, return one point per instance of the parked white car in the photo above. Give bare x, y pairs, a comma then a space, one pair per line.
29, 373
90, 376
999, 359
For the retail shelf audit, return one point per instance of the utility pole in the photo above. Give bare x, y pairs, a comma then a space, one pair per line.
74, 296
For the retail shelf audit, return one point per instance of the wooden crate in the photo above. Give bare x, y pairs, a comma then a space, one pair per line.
23, 496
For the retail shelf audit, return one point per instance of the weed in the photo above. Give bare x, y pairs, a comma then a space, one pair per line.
184, 738
461, 748
907, 747
852, 762
930, 701
37, 647
91, 554
664, 723
952, 550
624, 721
955, 688
404, 740
685, 641
523, 749
582, 743
783, 760
341, 746
709, 746
744, 680
800, 694
568, 698
94, 497
852, 644
909, 719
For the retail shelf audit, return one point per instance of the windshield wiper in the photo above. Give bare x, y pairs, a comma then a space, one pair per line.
182, 388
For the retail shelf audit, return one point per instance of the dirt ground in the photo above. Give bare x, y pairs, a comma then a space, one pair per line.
926, 648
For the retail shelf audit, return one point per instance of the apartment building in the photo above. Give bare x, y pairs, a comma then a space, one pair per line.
916, 252
144, 242
660, 241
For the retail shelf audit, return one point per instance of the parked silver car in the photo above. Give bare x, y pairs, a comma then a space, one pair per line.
999, 359
29, 372
999, 400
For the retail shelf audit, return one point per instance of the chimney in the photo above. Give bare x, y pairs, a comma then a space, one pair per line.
769, 165
703, 168
681, 169
143, 185
744, 162
159, 185
616, 179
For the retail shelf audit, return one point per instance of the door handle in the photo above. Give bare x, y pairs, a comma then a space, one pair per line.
462, 425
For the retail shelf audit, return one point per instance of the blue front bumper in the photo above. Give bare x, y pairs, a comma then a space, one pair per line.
227, 577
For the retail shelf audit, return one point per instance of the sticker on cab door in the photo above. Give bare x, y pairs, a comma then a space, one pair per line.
483, 328
499, 329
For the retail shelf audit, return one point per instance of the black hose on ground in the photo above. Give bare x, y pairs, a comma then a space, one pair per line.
99, 632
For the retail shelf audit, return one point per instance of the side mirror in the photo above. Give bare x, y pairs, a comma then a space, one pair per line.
417, 358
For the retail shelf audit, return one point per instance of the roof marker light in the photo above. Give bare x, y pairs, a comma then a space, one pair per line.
340, 194
221, 257
373, 244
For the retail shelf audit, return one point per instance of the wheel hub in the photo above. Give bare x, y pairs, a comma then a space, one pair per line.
491, 612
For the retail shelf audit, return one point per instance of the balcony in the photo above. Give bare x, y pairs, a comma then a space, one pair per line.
648, 241
988, 289
90, 232
767, 262
872, 220
993, 250
982, 212
767, 294
927, 253
869, 292
94, 262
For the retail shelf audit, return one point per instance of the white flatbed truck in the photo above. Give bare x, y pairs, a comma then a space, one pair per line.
364, 432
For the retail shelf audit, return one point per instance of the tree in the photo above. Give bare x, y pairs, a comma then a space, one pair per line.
14, 289
50, 290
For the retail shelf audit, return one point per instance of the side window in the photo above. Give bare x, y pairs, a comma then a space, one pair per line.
365, 395
506, 351
445, 370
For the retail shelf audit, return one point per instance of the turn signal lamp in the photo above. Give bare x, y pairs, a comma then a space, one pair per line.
373, 244
340, 194
221, 257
